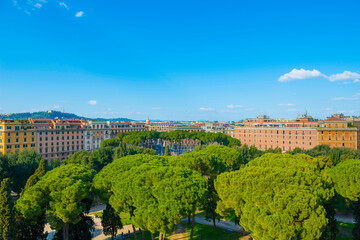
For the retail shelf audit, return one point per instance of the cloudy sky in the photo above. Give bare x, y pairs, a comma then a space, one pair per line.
180, 60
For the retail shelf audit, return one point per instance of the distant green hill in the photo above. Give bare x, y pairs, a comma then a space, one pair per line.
54, 114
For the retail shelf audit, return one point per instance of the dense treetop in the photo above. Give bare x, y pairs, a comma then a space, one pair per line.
60, 193
276, 197
346, 176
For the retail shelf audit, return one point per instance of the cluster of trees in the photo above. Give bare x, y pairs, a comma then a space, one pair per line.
336, 154
272, 195
144, 138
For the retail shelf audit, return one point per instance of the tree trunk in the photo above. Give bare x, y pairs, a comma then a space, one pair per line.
142, 234
189, 218
134, 229
356, 229
160, 236
214, 221
66, 231
192, 226
152, 236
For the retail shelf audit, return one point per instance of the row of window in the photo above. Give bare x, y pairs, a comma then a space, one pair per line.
271, 136
284, 142
16, 146
277, 132
62, 138
51, 150
62, 143
62, 132
17, 134
17, 140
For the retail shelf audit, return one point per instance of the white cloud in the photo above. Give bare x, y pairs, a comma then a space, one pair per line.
38, 5
296, 74
79, 14
56, 107
206, 109
356, 80
352, 98
92, 102
63, 5
328, 109
286, 104
344, 76
234, 106
156, 108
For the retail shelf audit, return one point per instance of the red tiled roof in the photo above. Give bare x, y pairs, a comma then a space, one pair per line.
334, 119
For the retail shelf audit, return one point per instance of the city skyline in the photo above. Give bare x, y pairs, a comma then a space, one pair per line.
180, 60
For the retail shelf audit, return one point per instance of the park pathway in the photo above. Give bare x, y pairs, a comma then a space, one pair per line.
180, 233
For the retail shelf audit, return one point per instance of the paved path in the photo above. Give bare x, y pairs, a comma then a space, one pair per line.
180, 233
343, 217
225, 224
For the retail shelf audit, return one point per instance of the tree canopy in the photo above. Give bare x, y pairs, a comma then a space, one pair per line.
60, 193
276, 196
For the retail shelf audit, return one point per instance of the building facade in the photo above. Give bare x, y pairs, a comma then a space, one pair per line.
336, 132
58, 138
16, 135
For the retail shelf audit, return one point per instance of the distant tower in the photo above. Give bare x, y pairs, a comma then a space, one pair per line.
147, 120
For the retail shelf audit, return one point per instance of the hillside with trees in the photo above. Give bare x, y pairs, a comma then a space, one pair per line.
54, 114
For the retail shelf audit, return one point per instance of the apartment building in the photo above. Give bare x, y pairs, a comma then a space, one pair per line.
16, 135
123, 127
95, 133
303, 132
336, 132
58, 138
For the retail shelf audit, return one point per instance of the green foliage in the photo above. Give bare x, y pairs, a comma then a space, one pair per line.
105, 179
331, 229
22, 165
5, 168
167, 151
205, 232
356, 230
347, 183
247, 154
113, 142
347, 179
33, 229
211, 160
7, 221
56, 114
111, 222
276, 196
210, 203
132, 150
159, 194
96, 159
79, 231
136, 138
120, 151
60, 194
39, 172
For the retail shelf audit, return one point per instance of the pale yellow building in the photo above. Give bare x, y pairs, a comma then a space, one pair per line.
16, 135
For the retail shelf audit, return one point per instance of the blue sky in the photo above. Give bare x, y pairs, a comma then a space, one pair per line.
180, 60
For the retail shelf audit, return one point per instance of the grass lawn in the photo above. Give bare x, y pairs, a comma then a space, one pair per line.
345, 231
206, 232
